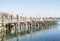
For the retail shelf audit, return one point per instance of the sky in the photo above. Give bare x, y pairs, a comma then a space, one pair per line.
31, 8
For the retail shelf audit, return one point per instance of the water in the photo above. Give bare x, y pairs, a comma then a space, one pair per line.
49, 33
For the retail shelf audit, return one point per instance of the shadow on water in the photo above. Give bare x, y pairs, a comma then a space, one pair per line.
8, 35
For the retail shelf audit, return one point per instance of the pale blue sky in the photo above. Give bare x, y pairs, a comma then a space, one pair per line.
31, 7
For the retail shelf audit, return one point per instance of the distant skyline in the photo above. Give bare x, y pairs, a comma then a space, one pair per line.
34, 8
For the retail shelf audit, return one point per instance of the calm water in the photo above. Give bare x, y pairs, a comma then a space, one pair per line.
51, 33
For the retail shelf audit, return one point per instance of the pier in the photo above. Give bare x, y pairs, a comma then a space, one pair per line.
20, 25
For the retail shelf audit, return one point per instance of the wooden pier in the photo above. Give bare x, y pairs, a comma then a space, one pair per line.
13, 23
17, 25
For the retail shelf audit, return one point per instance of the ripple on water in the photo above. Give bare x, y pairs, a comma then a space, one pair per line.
51, 34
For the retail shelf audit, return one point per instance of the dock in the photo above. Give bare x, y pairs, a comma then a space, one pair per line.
20, 24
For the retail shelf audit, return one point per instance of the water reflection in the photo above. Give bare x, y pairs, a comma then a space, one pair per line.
42, 33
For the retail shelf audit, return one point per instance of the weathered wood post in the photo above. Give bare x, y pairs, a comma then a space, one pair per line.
11, 17
30, 30
3, 37
17, 28
31, 24
20, 26
31, 27
9, 25
39, 25
36, 25
28, 26
25, 25
16, 25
